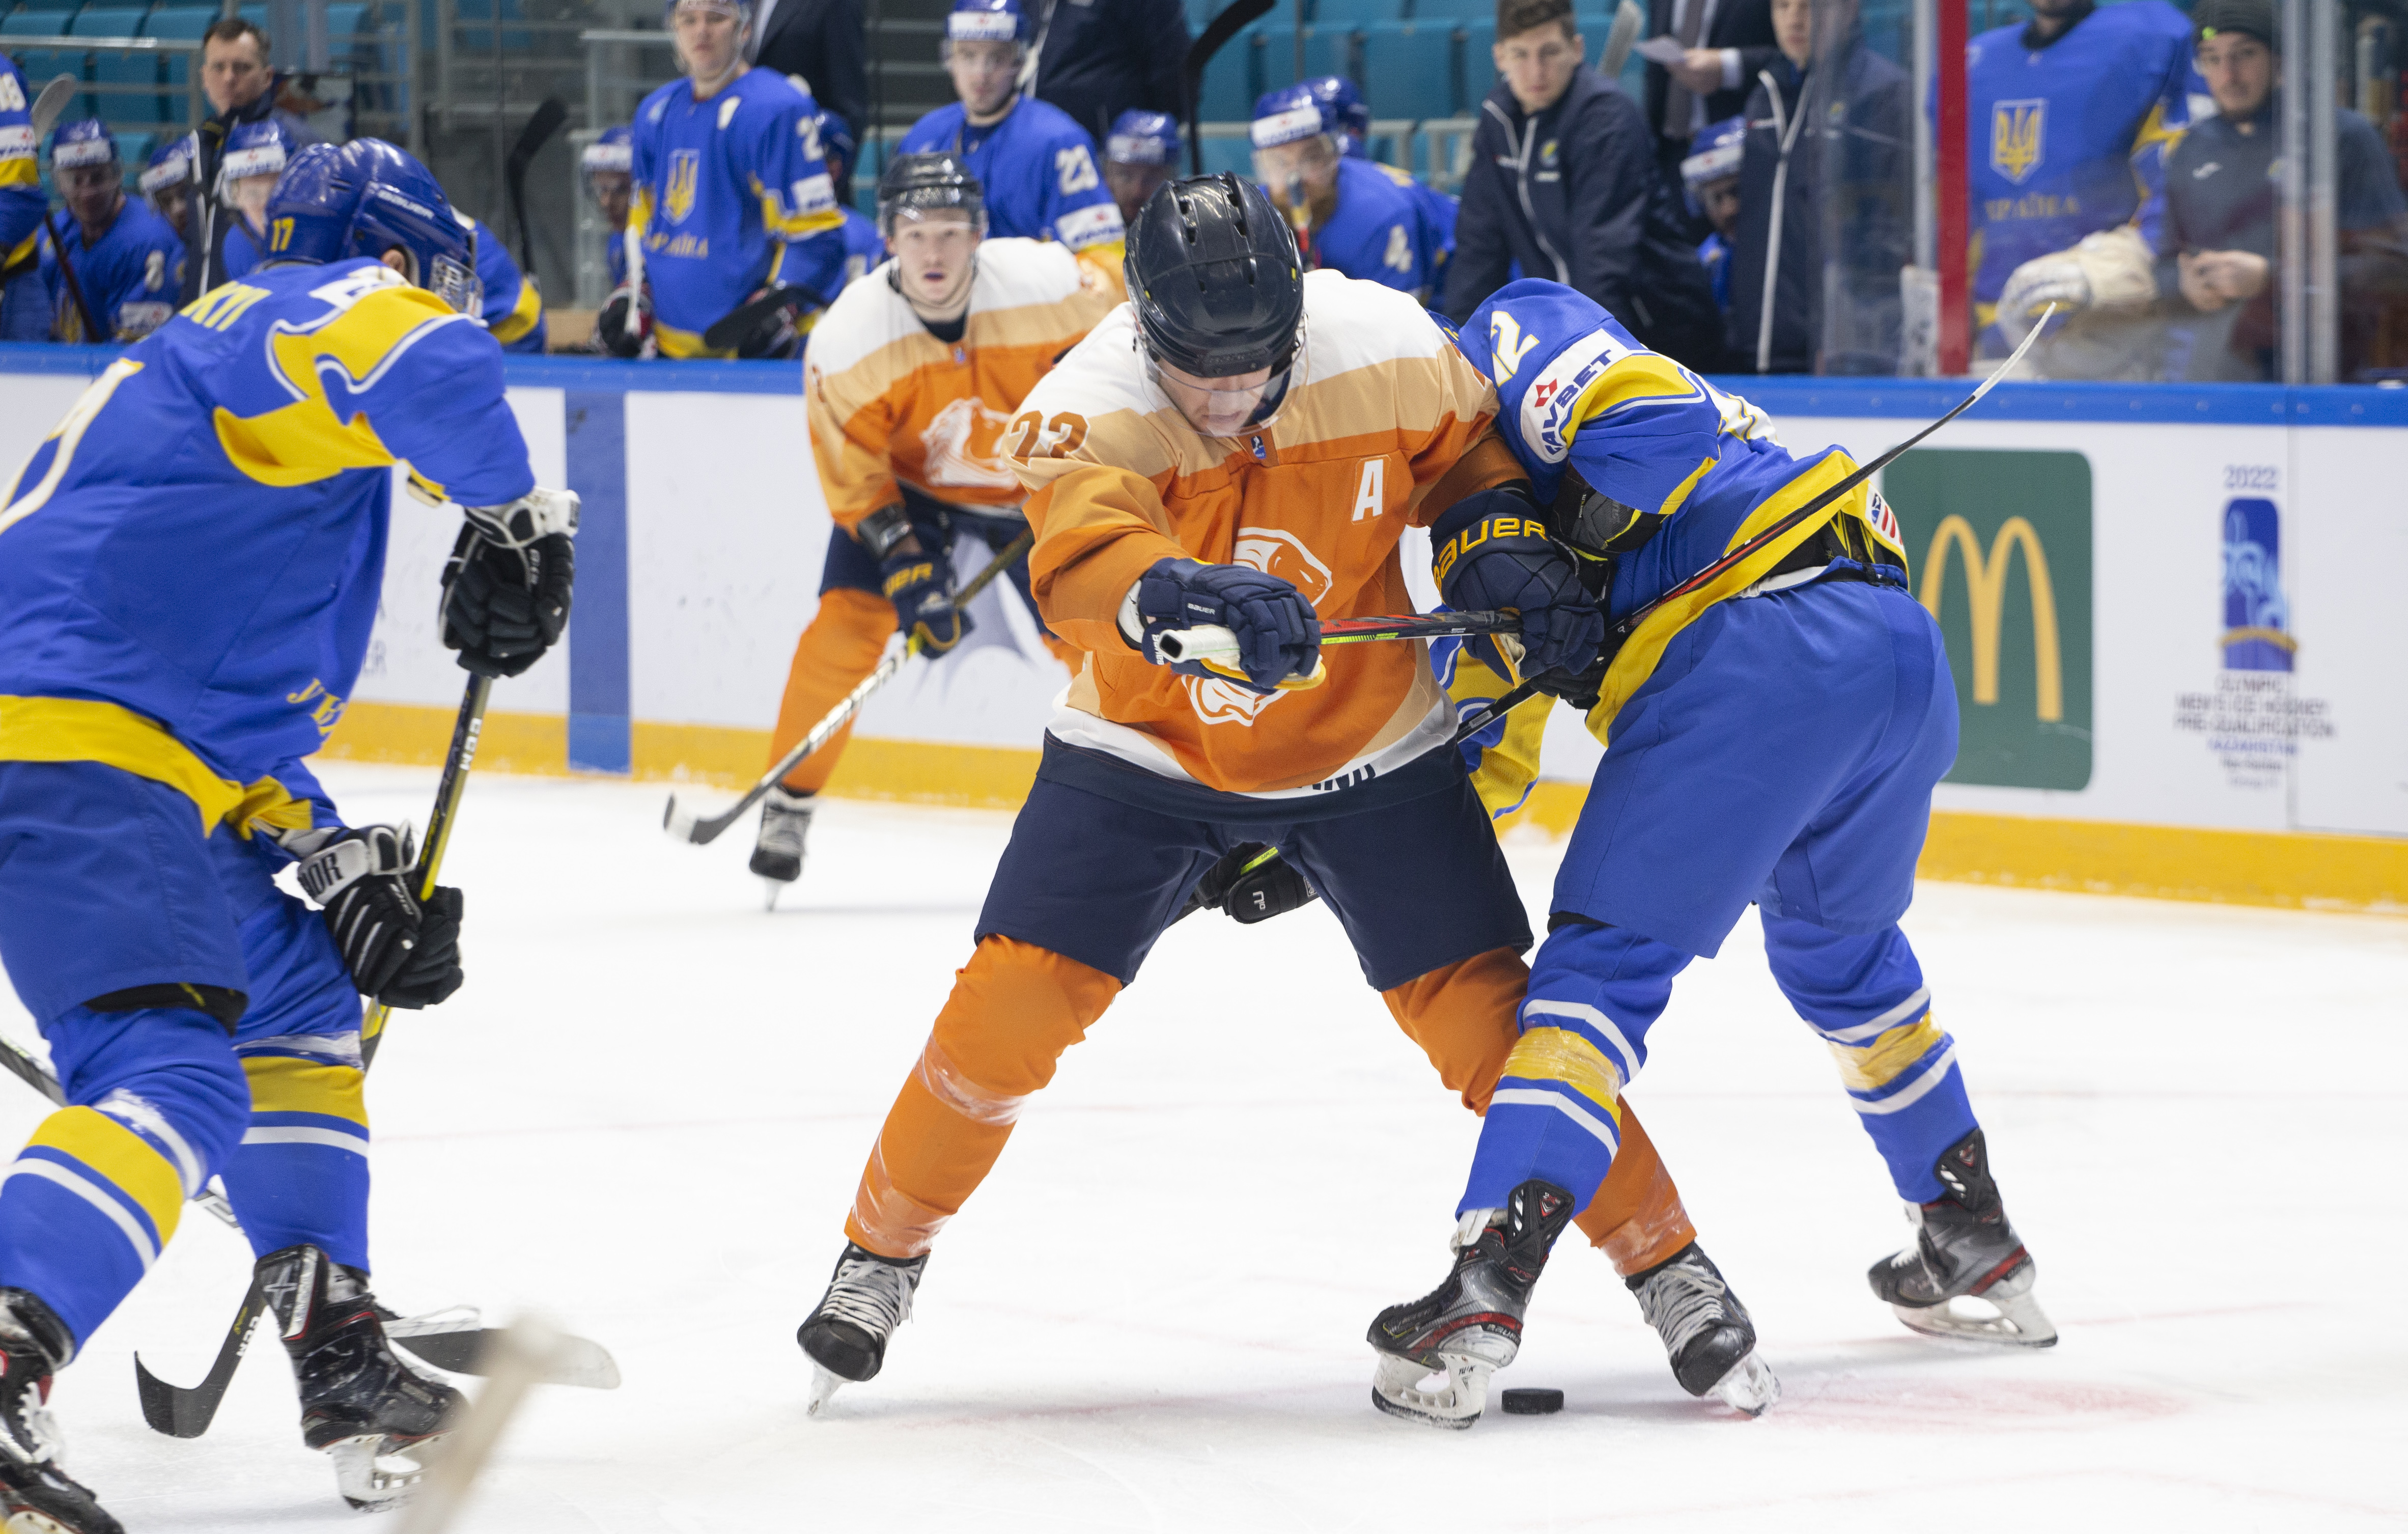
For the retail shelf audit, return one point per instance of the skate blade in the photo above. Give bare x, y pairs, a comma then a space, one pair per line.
376, 1472
1395, 1389
823, 1388
1750, 1386
2017, 1321
770, 890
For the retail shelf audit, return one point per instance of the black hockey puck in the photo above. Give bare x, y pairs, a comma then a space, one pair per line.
1533, 1403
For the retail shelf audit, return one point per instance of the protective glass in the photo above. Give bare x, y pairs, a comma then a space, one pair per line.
457, 285
1225, 411
1313, 162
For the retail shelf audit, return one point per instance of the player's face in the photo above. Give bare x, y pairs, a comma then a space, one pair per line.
615, 192
932, 253
91, 191
1793, 30
986, 72
249, 196
1720, 200
232, 72
1308, 165
709, 38
1133, 184
172, 203
1538, 64
2239, 70
1214, 406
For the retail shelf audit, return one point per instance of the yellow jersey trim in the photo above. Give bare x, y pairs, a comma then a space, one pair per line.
282, 1084
75, 729
522, 315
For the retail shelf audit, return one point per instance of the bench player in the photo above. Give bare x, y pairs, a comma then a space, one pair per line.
1774, 739
1038, 164
909, 379
731, 197
128, 262
607, 168
1240, 445
190, 565
1346, 106
1349, 217
1140, 153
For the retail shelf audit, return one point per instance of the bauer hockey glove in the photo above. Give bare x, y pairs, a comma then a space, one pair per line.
1278, 634
399, 952
921, 586
1491, 550
1253, 883
507, 585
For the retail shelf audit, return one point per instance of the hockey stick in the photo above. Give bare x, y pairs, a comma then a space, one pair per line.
702, 830
466, 732
525, 1354
550, 114
1212, 642
1620, 38
49, 107
1217, 33
1618, 632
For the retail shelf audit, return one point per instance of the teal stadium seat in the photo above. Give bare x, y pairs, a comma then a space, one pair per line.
179, 23
133, 148
40, 65
133, 78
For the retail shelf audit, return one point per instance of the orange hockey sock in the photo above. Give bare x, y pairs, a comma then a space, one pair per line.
841, 647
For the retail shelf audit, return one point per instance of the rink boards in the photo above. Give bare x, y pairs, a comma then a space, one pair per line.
2174, 615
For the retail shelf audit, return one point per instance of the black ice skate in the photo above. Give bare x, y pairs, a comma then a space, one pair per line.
37, 1496
359, 1402
868, 1298
1964, 1248
1706, 1330
778, 852
1469, 1326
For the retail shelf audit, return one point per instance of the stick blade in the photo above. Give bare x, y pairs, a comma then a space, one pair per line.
683, 824
171, 1410
52, 104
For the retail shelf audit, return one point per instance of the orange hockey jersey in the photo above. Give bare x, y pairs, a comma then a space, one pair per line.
1384, 427
889, 402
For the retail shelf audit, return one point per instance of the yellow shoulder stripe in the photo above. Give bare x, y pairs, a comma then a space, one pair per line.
523, 314
304, 442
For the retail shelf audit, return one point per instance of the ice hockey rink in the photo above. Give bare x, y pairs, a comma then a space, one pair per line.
645, 1114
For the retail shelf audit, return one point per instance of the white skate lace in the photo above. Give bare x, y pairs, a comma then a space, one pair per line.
1680, 1301
784, 826
873, 1296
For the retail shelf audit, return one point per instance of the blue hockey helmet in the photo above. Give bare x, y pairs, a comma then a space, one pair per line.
366, 197
740, 10
986, 21
1345, 103
170, 166
1714, 154
76, 145
1143, 139
835, 139
253, 148
1291, 113
611, 153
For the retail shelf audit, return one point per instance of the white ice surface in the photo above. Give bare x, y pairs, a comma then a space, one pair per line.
646, 1112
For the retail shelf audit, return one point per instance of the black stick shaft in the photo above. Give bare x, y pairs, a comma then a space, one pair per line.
466, 732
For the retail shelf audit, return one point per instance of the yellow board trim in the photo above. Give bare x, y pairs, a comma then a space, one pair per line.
1550, 1053
70, 729
280, 1084
1878, 1064
130, 1163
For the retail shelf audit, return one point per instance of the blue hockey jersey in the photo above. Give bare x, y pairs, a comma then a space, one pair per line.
131, 277
190, 562
514, 309
1040, 171
1576, 392
22, 202
1379, 232
1439, 212
2072, 138
725, 191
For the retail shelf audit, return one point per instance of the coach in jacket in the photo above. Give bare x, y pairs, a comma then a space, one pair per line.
1563, 181
1727, 41
821, 41
1097, 59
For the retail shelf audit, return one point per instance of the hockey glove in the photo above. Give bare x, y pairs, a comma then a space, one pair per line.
921, 586
624, 326
1277, 632
507, 585
398, 951
1491, 550
1253, 884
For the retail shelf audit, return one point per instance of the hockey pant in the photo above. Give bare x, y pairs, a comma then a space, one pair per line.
849, 633
1102, 879
1782, 752
111, 893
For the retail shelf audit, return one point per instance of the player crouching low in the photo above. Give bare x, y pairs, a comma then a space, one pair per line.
1775, 737
1242, 447
909, 379
190, 566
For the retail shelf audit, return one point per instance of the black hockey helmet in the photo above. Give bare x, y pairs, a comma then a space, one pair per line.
1212, 270
923, 183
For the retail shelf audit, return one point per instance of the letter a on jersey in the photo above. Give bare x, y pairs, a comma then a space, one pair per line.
1373, 498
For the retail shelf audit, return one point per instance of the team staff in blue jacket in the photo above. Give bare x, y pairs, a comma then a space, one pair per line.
1563, 182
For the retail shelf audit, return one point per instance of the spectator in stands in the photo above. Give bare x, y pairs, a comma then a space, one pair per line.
240, 87
1139, 154
609, 167
1348, 218
1563, 182
2218, 265
168, 183
1711, 178
1724, 43
513, 308
248, 171
22, 202
821, 40
119, 257
1097, 59
1824, 192
2071, 115
1036, 163
1354, 142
